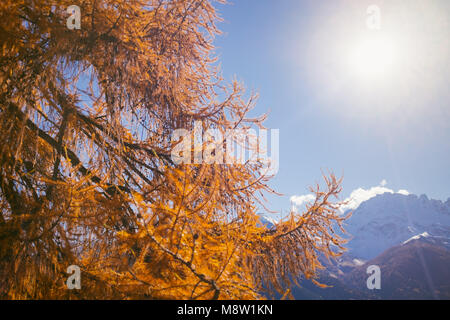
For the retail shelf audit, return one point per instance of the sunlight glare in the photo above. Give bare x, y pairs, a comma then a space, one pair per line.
373, 57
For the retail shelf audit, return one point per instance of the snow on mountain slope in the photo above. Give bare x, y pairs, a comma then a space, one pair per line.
391, 219
417, 269
419, 236
267, 221
441, 241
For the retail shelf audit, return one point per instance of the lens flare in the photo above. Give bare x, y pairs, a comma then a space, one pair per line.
373, 57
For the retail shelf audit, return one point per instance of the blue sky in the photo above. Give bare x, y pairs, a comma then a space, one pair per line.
390, 124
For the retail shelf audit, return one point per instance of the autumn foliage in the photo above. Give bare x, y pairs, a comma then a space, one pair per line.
86, 176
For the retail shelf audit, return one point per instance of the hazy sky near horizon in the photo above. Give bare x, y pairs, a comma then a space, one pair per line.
339, 106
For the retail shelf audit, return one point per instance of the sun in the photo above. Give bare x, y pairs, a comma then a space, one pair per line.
373, 57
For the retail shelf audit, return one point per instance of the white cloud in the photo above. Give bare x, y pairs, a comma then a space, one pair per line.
356, 197
360, 195
298, 201
353, 201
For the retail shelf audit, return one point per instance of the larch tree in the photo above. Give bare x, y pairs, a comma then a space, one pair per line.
86, 173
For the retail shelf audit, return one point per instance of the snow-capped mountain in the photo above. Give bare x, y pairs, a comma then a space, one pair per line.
407, 236
390, 219
416, 269
267, 221
442, 241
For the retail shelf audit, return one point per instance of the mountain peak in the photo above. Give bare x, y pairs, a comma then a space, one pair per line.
417, 237
391, 219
